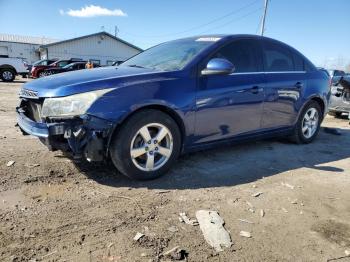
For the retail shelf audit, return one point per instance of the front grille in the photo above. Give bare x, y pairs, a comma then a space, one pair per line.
32, 109
27, 93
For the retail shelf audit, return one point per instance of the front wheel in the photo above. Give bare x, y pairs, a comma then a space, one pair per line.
146, 146
7, 75
308, 124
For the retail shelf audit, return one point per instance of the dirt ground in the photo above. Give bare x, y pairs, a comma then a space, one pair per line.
54, 210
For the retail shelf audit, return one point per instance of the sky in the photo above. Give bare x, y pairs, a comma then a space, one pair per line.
320, 29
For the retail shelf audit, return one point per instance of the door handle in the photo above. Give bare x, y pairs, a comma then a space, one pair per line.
299, 85
256, 89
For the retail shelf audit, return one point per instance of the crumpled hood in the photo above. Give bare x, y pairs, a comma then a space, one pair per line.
70, 83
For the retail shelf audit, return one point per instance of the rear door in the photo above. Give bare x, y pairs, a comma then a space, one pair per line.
285, 80
229, 105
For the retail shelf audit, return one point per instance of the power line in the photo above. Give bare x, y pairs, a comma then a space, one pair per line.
199, 26
234, 20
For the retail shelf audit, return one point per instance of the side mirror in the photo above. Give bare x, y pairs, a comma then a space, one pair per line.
218, 66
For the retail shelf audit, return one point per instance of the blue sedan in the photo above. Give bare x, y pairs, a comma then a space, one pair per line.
177, 97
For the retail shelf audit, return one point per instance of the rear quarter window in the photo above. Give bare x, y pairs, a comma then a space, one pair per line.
277, 58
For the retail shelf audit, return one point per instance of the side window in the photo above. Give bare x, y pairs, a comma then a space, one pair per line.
298, 62
277, 58
95, 61
242, 54
62, 63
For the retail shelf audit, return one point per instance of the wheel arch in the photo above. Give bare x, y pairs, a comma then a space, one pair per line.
163, 108
318, 100
6, 66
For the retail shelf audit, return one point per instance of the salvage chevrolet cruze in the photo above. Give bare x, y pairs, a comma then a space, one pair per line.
177, 97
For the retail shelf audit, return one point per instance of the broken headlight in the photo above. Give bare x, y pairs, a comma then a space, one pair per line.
73, 105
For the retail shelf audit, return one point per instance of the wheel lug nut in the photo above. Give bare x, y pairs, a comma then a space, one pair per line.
155, 141
151, 152
156, 149
149, 142
146, 148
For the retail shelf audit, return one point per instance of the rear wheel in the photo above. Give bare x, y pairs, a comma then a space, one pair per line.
147, 145
7, 75
308, 124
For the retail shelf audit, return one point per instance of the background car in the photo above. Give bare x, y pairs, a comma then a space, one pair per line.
10, 67
39, 70
340, 100
70, 67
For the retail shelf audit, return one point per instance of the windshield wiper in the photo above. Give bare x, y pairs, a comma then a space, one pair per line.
138, 66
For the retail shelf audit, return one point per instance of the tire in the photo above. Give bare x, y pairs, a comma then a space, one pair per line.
41, 74
301, 137
129, 137
7, 75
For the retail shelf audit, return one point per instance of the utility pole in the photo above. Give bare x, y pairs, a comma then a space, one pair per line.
263, 18
116, 31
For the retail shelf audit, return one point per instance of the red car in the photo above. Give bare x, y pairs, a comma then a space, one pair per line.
39, 66
39, 70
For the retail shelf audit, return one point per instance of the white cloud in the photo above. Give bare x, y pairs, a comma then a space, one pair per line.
93, 11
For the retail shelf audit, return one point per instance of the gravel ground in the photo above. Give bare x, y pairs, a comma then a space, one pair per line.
54, 210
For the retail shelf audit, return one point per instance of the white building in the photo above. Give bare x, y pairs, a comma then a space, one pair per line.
26, 47
102, 48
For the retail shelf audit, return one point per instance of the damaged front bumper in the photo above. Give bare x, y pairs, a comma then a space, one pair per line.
84, 136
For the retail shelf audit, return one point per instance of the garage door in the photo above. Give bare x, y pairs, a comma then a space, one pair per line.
4, 51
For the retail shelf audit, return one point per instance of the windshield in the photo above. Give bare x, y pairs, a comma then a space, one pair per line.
174, 55
40, 62
68, 66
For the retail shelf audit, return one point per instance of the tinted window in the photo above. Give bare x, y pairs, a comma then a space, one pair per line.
62, 63
277, 58
298, 62
242, 54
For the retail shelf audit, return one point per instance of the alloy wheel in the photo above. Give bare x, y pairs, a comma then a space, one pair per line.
310, 122
151, 147
7, 75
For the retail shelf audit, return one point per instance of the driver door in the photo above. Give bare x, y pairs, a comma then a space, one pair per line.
230, 105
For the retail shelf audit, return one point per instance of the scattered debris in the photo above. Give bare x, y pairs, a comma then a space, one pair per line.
287, 185
185, 219
294, 202
49, 254
245, 234
257, 194
173, 229
262, 212
10, 163
254, 186
32, 165
175, 253
347, 253
212, 226
284, 210
162, 191
250, 204
245, 221
138, 236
